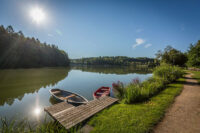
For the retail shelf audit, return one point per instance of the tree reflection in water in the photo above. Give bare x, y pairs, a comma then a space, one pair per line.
14, 83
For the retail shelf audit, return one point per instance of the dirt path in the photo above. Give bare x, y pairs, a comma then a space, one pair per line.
184, 115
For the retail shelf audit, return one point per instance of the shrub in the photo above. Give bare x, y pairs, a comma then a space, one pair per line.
167, 73
137, 92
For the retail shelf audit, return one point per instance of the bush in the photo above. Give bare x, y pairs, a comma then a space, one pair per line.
194, 55
138, 92
167, 73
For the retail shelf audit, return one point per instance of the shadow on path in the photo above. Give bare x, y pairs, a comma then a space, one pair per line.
188, 83
191, 78
183, 115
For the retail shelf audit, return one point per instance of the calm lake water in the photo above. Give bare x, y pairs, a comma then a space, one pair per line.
25, 92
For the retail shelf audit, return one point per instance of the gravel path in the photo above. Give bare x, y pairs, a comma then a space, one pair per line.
184, 115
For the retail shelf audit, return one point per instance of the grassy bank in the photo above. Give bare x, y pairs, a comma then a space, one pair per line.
136, 118
137, 91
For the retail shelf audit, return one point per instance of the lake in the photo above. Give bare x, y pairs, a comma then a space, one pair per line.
25, 92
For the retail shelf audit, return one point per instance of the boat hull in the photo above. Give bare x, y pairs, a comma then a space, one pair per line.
102, 91
70, 97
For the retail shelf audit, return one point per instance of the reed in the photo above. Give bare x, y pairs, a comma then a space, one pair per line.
119, 87
138, 92
23, 126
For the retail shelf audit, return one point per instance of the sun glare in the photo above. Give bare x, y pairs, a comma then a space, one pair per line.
37, 15
37, 111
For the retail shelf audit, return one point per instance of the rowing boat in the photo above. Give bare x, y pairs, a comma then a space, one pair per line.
102, 91
67, 96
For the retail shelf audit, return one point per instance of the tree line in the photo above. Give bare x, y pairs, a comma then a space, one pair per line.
191, 58
170, 55
115, 60
18, 51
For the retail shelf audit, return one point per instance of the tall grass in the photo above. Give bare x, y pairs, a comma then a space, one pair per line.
23, 126
138, 92
119, 87
168, 73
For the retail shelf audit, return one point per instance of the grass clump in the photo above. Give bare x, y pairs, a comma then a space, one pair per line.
23, 126
136, 118
12, 126
138, 92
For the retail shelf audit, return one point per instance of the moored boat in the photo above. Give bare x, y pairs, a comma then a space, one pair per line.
102, 91
67, 96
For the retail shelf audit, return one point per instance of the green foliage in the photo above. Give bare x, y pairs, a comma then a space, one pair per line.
17, 51
168, 73
138, 92
142, 91
116, 60
24, 126
133, 93
136, 118
194, 55
12, 127
172, 56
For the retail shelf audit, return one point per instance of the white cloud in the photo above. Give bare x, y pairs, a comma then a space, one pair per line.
148, 45
50, 35
59, 32
138, 41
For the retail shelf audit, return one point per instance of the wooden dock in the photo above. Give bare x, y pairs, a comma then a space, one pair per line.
68, 115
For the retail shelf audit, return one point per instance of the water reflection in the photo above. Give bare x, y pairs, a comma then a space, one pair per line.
52, 100
15, 83
37, 111
25, 92
113, 69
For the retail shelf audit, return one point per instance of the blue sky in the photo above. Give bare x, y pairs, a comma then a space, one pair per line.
85, 28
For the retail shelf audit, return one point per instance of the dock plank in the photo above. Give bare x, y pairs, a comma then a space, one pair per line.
69, 116
84, 114
56, 108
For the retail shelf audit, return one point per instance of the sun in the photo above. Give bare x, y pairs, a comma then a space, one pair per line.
37, 15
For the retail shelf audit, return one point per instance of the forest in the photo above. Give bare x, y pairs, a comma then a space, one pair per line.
172, 56
115, 60
18, 51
